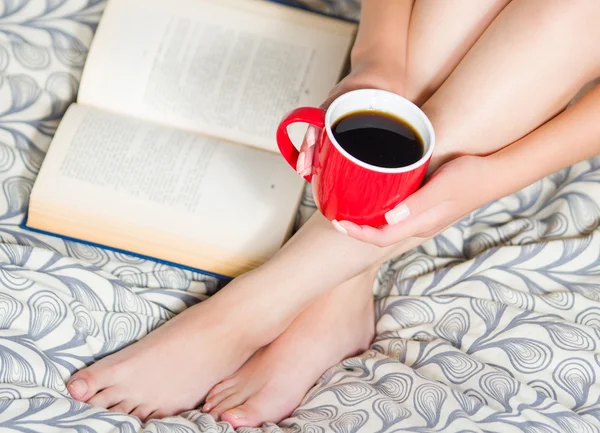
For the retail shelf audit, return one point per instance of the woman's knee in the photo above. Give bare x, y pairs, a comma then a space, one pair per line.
574, 23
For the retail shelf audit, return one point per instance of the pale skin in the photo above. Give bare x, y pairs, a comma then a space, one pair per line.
490, 76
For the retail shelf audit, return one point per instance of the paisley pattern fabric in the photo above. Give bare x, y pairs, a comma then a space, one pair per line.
493, 326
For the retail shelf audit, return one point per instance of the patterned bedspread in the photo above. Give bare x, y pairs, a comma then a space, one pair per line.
492, 326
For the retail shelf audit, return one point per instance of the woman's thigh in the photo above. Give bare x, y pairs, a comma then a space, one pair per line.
523, 70
440, 34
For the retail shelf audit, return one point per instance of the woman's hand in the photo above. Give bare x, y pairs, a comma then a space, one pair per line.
376, 73
454, 190
468, 182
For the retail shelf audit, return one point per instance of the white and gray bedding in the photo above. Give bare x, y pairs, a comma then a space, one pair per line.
493, 326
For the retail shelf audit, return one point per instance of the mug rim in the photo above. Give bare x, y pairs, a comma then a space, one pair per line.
428, 126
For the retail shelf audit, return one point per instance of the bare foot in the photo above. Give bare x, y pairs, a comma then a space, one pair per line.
275, 380
172, 369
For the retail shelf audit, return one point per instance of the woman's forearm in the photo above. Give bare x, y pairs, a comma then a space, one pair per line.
383, 31
572, 136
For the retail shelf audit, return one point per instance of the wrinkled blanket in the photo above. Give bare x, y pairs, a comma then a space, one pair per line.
493, 326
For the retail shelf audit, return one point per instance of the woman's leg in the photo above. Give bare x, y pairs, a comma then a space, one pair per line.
440, 34
523, 71
318, 310
209, 341
337, 325
325, 333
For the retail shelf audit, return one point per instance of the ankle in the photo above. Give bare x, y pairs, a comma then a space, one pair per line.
249, 316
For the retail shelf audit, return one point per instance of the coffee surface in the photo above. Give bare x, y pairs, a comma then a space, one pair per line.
378, 139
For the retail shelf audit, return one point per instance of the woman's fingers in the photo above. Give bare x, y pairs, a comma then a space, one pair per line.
404, 221
424, 224
307, 151
443, 200
423, 214
413, 208
356, 80
366, 234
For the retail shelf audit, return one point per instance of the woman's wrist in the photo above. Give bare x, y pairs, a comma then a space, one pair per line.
383, 31
381, 54
376, 71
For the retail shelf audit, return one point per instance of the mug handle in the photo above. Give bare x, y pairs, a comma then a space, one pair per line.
311, 115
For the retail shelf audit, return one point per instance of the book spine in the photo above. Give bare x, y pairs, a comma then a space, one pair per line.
223, 278
300, 6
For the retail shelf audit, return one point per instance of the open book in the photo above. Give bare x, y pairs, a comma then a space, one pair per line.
170, 150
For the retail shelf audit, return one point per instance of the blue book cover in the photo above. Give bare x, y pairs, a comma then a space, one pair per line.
24, 226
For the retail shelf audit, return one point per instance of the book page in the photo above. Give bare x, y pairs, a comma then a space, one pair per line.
147, 182
228, 68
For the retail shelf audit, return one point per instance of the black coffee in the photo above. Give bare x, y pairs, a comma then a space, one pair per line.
378, 139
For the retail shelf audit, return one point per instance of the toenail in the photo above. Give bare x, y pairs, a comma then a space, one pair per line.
237, 413
78, 388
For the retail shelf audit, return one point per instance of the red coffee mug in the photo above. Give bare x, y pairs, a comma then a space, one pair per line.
344, 187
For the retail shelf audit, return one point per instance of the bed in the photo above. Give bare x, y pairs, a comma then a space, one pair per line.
493, 326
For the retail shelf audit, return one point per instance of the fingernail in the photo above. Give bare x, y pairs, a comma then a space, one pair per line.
339, 227
311, 136
77, 388
237, 413
207, 407
397, 214
300, 164
306, 172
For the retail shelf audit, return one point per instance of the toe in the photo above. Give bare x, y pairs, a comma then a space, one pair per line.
222, 386
158, 414
257, 410
80, 389
242, 416
230, 402
106, 398
87, 382
142, 412
125, 406
214, 400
